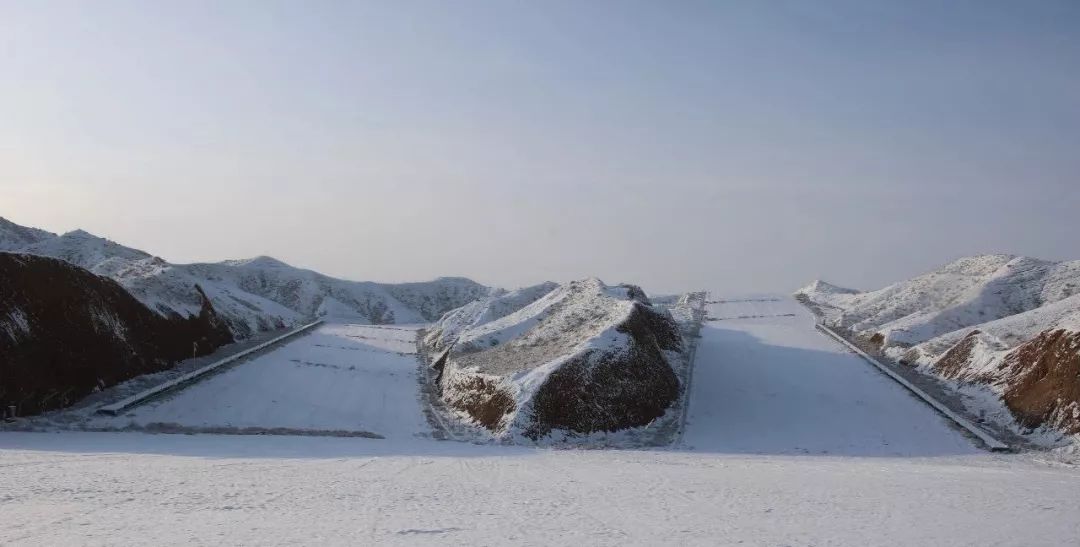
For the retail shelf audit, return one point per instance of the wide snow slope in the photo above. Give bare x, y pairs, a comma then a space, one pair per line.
359, 378
134, 489
765, 381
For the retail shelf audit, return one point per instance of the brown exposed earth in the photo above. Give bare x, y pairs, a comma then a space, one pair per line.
480, 397
65, 332
953, 364
1041, 377
1044, 380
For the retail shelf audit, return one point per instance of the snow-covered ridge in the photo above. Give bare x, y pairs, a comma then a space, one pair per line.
13, 236
251, 295
472, 316
968, 292
582, 357
1002, 321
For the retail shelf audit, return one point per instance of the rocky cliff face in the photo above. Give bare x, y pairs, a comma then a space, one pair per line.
65, 332
582, 358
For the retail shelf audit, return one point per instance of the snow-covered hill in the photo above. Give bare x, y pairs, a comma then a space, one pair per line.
1010, 323
250, 295
964, 293
473, 315
65, 332
13, 236
582, 358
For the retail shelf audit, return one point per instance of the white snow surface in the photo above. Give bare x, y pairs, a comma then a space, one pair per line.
252, 295
790, 441
473, 315
771, 383
340, 377
1008, 332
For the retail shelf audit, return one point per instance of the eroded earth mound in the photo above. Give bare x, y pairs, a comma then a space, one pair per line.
581, 357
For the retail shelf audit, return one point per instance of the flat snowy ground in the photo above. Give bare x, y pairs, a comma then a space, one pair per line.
359, 378
790, 441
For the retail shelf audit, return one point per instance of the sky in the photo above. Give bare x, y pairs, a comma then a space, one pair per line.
735, 146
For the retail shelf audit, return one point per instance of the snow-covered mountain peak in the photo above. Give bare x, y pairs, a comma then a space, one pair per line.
14, 236
819, 286
261, 261
86, 250
80, 233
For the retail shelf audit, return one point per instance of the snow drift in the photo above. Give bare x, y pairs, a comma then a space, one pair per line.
250, 295
581, 357
1011, 323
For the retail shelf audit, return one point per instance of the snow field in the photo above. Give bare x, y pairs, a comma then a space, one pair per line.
121, 489
344, 377
771, 384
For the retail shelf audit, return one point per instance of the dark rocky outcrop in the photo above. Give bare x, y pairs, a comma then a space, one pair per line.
612, 390
583, 358
65, 332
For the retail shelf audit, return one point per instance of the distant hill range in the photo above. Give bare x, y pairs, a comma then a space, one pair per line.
250, 295
1009, 322
79, 312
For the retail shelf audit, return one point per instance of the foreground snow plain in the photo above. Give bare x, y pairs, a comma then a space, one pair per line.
790, 441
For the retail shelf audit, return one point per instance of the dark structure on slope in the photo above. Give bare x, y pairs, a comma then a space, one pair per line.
65, 332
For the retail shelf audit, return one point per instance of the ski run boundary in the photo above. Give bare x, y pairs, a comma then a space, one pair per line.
699, 315
991, 443
194, 376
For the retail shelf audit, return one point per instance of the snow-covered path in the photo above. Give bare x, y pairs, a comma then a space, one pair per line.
766, 382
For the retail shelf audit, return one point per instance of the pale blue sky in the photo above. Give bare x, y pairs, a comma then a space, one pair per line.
742, 146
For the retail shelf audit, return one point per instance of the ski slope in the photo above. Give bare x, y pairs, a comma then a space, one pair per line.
766, 382
340, 377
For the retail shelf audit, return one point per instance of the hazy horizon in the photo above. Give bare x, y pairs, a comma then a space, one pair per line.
740, 147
